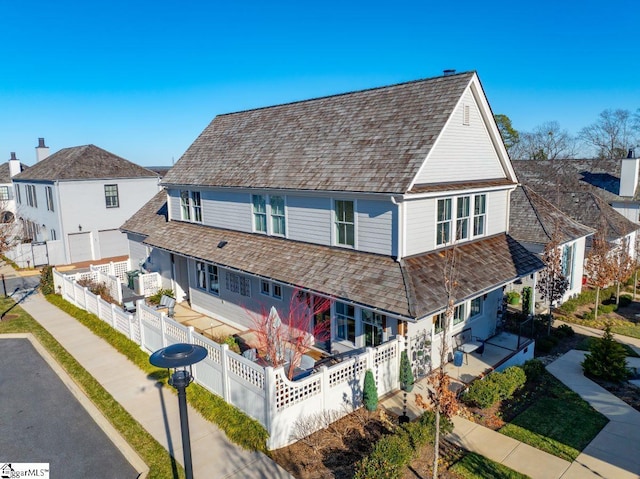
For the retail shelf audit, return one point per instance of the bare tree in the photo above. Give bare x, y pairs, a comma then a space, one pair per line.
598, 265
552, 283
546, 142
613, 133
622, 265
284, 339
443, 399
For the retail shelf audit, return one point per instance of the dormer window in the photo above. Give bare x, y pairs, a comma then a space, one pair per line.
447, 230
191, 206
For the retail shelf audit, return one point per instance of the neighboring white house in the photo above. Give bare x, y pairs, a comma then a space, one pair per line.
7, 196
75, 200
356, 197
535, 222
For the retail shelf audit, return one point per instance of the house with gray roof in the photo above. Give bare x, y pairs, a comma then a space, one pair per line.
7, 197
535, 222
74, 201
358, 197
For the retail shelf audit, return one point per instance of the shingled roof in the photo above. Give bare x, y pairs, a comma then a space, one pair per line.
367, 141
534, 220
84, 163
600, 176
5, 175
411, 288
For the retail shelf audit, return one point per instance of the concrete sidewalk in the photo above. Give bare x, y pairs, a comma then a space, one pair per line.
155, 408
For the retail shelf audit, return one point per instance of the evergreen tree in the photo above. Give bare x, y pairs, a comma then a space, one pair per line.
406, 374
370, 396
606, 359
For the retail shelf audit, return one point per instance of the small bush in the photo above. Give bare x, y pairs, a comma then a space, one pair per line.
510, 380
406, 374
568, 307
533, 369
46, 280
99, 289
496, 386
606, 359
546, 344
387, 459
564, 331
513, 297
155, 299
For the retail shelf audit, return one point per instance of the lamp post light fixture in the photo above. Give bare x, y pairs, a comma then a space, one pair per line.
178, 359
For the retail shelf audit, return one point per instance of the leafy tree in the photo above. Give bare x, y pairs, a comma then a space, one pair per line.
546, 142
598, 266
552, 283
510, 135
612, 133
370, 394
622, 266
606, 359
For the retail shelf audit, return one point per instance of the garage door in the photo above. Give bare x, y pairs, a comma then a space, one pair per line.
113, 243
80, 247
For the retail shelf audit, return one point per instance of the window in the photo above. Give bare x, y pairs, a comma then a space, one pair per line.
479, 214
4, 193
238, 284
458, 314
277, 215
277, 291
259, 213
567, 263
32, 199
111, 196
373, 325
184, 205
345, 224
265, 287
346, 322
214, 283
438, 322
201, 276
191, 206
443, 224
462, 218
476, 307
270, 289
49, 194
53, 235
18, 195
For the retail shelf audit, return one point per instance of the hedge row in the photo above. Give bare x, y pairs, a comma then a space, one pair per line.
495, 387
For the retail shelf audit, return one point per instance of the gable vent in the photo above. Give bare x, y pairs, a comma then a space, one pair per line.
465, 115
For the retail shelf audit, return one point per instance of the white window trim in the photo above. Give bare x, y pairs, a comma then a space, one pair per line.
207, 278
269, 216
453, 221
334, 232
190, 208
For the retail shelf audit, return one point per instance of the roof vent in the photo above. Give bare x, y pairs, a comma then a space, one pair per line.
448, 72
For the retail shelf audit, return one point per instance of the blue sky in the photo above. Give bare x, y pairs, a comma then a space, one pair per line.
142, 79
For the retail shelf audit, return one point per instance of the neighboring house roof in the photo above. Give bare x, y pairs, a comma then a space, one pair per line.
534, 220
597, 176
367, 141
412, 288
84, 163
5, 176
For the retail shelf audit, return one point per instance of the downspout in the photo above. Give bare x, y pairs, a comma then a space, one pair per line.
63, 236
401, 228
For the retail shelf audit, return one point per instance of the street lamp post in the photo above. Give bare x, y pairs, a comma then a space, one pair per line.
178, 359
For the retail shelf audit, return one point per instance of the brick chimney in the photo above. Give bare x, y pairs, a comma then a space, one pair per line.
14, 165
42, 151
629, 170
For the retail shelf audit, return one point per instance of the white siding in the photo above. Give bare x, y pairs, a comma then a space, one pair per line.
497, 207
468, 147
80, 247
420, 232
309, 219
227, 210
377, 226
112, 243
137, 251
173, 198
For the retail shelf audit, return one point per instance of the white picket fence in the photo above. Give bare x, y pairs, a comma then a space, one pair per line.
264, 393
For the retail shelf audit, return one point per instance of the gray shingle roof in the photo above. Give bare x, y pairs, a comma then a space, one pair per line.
5, 176
412, 288
533, 219
368, 141
562, 183
84, 163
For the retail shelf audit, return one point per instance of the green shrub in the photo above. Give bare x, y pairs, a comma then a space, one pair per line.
546, 344
533, 369
428, 420
510, 380
370, 393
387, 460
568, 307
606, 359
406, 374
482, 393
563, 331
155, 299
46, 280
513, 297
527, 294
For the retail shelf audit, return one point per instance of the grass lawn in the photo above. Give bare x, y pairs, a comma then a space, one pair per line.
474, 466
152, 453
585, 345
561, 423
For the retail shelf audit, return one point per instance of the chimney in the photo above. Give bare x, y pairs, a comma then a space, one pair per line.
629, 170
448, 73
42, 151
14, 165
